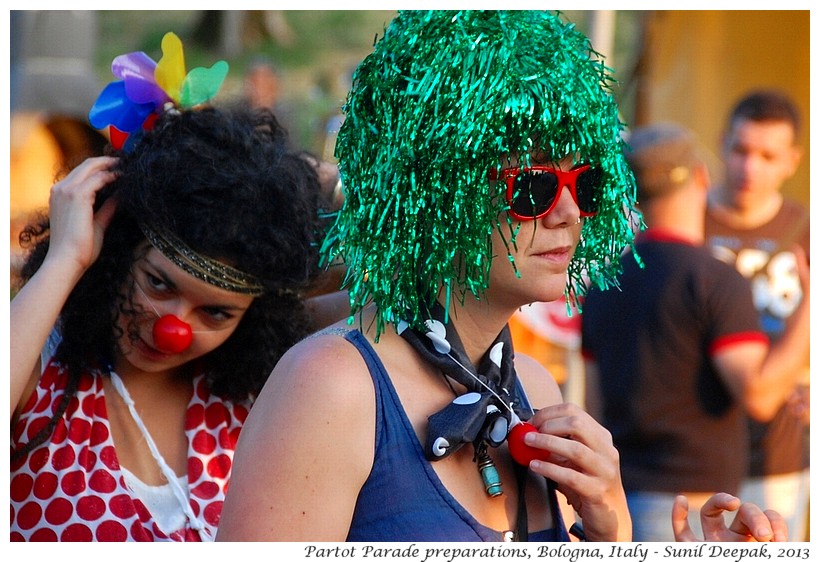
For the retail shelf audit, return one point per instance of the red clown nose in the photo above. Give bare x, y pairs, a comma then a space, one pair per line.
520, 451
171, 334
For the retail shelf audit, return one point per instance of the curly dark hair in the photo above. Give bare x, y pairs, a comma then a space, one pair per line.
225, 183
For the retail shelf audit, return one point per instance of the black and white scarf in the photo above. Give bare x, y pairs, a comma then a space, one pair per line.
483, 415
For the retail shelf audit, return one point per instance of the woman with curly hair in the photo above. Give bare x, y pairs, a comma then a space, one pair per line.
161, 290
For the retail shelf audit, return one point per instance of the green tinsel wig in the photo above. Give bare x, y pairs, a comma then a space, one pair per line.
443, 97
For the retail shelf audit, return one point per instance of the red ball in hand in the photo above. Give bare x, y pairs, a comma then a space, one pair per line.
522, 453
171, 334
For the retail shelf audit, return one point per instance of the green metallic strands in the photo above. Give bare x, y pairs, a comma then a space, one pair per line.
444, 96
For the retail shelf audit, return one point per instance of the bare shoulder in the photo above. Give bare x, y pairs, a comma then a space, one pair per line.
287, 482
538, 383
324, 365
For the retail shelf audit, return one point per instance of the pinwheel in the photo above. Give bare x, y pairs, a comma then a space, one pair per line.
145, 88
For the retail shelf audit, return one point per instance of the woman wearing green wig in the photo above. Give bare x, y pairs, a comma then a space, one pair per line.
414, 421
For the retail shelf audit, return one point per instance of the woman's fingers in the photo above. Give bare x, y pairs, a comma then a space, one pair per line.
586, 466
76, 231
88, 177
573, 436
570, 421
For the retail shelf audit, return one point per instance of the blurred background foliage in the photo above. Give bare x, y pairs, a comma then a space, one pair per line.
314, 51
687, 66
60, 60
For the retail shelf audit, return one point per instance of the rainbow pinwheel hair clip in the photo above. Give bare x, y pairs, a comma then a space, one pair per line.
145, 88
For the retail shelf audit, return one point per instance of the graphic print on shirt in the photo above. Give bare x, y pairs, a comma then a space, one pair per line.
773, 277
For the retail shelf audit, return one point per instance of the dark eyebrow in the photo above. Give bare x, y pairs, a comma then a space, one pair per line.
227, 308
154, 270
157, 272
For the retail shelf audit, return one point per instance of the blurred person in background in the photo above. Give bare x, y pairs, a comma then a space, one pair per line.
751, 225
676, 357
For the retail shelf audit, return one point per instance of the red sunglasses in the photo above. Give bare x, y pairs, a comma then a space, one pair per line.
533, 192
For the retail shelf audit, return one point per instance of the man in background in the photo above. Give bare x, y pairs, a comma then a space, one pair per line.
751, 225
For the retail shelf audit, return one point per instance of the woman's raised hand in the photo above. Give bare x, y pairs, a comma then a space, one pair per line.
75, 240
76, 231
586, 466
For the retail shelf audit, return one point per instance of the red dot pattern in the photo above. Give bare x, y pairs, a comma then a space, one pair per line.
71, 488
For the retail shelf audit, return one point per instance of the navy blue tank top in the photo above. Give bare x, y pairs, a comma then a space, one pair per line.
403, 499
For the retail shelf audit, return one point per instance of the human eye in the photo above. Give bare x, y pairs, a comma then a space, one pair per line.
155, 283
770, 156
217, 315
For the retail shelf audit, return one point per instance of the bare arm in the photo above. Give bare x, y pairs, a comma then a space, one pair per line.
76, 235
763, 378
305, 450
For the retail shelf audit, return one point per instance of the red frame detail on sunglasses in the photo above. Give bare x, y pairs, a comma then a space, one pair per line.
560, 177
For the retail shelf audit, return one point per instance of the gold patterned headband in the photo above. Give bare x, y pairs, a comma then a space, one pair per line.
208, 270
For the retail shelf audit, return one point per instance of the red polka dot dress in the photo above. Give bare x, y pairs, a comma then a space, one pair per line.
72, 488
